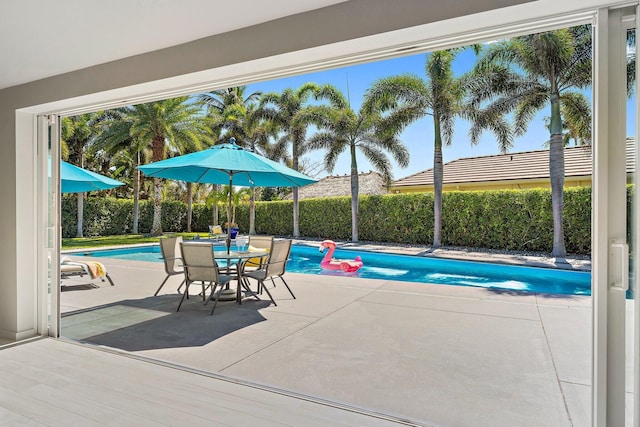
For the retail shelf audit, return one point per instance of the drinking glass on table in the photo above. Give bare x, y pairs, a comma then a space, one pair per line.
241, 243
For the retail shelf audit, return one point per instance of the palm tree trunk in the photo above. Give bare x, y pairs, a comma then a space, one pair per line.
189, 205
156, 228
80, 202
354, 195
438, 172
214, 208
80, 213
556, 175
296, 222
157, 154
252, 211
136, 198
296, 218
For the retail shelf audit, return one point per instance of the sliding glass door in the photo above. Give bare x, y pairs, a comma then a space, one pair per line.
48, 225
615, 219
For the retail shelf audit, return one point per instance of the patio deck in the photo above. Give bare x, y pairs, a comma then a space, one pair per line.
429, 354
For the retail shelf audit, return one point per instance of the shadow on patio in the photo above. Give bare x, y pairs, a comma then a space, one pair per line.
153, 323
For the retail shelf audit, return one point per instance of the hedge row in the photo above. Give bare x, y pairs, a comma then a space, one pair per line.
510, 219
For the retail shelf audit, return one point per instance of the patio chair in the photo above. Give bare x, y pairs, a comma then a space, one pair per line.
258, 243
275, 266
170, 249
215, 232
200, 266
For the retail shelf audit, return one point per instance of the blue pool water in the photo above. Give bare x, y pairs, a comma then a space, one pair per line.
306, 259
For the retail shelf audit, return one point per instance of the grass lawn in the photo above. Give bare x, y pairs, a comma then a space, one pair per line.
129, 239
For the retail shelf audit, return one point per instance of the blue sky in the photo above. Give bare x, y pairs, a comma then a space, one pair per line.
418, 137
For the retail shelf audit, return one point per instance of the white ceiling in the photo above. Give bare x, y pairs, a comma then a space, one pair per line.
42, 39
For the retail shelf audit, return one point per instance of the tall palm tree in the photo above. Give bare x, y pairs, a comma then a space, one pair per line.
526, 74
631, 61
341, 129
232, 111
172, 126
261, 137
282, 109
439, 95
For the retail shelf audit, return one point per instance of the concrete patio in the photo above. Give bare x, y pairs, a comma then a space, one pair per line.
433, 354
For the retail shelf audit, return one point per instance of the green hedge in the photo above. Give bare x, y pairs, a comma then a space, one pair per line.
510, 219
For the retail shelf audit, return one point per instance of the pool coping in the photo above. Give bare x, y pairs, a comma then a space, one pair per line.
457, 253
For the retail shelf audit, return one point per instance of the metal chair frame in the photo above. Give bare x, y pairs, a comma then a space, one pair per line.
169, 247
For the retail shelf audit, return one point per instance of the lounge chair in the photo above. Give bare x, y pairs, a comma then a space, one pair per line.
200, 266
93, 269
215, 232
275, 267
170, 249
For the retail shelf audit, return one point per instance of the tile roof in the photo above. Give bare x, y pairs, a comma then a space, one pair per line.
370, 183
512, 166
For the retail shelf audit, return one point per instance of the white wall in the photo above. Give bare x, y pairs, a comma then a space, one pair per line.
286, 45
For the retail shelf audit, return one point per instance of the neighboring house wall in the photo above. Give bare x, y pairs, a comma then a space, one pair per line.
370, 183
512, 171
584, 181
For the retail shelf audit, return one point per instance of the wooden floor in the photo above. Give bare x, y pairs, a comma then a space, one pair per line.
57, 383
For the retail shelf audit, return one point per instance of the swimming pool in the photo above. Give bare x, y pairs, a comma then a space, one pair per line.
409, 268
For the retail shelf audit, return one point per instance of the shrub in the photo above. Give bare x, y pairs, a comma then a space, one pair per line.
508, 219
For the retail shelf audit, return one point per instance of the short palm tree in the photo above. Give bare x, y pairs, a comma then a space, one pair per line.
526, 74
221, 197
115, 138
441, 96
78, 132
341, 129
172, 126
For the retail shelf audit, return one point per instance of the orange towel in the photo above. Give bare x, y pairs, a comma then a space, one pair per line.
96, 269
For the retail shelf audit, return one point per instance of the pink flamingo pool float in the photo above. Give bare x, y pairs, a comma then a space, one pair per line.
330, 263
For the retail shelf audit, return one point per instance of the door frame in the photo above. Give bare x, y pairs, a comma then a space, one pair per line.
610, 278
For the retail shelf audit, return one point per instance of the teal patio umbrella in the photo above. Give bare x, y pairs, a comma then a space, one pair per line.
77, 180
227, 163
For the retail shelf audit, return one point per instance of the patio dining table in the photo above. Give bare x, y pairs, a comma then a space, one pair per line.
238, 257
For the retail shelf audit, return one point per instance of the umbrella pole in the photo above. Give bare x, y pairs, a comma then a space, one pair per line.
229, 214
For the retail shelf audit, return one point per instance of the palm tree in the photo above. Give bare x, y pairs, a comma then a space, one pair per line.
228, 109
282, 109
631, 61
77, 134
221, 197
115, 138
525, 74
233, 115
576, 125
173, 126
341, 129
410, 97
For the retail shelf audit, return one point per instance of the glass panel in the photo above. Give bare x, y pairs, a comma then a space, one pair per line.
52, 247
632, 231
